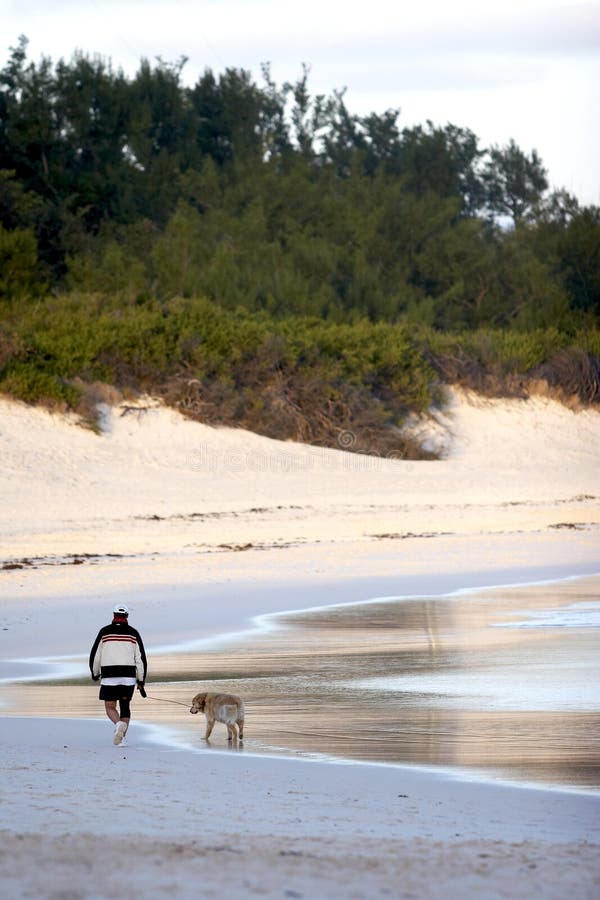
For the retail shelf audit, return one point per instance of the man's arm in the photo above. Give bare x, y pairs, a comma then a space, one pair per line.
94, 661
140, 661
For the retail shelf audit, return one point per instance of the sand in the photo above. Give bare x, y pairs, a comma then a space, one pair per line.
199, 531
103, 822
154, 482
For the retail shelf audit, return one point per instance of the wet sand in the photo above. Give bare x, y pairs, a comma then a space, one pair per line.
499, 683
78, 812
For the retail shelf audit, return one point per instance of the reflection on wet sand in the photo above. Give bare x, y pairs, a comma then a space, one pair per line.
503, 681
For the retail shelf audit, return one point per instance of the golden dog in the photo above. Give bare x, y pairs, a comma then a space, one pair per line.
225, 708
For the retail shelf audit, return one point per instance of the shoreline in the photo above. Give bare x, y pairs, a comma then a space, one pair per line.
267, 625
261, 622
165, 738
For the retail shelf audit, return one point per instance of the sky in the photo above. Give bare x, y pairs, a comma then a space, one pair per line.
522, 69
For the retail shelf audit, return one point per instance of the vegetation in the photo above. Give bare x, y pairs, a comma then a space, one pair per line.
262, 257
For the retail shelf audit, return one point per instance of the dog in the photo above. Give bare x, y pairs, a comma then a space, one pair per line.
225, 708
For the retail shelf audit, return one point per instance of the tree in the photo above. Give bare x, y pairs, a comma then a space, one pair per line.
383, 142
579, 259
344, 140
18, 208
180, 253
160, 140
514, 182
442, 160
308, 115
28, 133
528, 293
19, 269
229, 114
93, 112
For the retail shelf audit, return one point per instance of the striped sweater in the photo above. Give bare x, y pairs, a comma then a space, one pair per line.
118, 652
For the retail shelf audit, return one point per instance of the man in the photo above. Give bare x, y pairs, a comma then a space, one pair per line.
119, 659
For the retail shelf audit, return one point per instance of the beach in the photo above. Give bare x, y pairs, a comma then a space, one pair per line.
204, 533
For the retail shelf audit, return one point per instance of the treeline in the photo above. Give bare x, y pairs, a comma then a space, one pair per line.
270, 198
132, 207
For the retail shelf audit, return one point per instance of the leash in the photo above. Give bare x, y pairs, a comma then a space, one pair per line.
164, 700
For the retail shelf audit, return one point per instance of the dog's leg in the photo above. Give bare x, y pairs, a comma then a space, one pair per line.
210, 724
240, 724
231, 733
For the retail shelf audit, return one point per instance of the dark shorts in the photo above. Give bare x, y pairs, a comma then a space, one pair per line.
116, 691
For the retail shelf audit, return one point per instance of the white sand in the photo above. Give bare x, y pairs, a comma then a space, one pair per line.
512, 466
84, 819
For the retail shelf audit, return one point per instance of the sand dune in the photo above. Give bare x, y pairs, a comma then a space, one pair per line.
155, 481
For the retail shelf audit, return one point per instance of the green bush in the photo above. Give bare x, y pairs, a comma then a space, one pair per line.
509, 362
24, 382
294, 377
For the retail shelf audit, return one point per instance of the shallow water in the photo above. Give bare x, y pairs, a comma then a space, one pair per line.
504, 682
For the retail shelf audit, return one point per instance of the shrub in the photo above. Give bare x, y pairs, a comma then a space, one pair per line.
298, 378
23, 382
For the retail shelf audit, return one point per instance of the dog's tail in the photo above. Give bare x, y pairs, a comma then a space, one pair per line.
242, 712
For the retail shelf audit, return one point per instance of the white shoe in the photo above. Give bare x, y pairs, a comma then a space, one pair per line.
119, 733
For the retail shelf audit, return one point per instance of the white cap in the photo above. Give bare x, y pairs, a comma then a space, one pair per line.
121, 610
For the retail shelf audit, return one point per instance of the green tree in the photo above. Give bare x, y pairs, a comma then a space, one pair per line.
19, 269
230, 115
514, 182
28, 134
426, 165
579, 259
180, 253
528, 294
18, 208
92, 111
160, 142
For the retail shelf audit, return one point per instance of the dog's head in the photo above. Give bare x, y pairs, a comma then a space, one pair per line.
198, 704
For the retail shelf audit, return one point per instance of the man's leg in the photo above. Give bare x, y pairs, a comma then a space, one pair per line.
125, 709
122, 723
111, 710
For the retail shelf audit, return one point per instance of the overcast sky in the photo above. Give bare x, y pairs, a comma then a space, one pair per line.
522, 69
